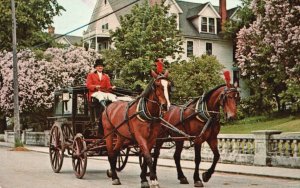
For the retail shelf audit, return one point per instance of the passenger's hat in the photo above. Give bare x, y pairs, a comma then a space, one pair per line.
99, 62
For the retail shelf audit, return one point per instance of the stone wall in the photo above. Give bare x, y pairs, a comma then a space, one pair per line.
263, 148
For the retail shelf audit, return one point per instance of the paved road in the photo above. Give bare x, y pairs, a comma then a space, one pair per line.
32, 170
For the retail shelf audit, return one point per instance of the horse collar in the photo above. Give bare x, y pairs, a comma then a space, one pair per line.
143, 113
201, 110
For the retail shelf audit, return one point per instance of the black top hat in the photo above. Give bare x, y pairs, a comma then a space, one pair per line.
99, 62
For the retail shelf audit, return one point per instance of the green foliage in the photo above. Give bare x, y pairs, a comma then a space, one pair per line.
145, 34
249, 106
245, 18
194, 77
32, 18
286, 123
18, 143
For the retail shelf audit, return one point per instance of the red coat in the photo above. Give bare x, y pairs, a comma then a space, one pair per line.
93, 80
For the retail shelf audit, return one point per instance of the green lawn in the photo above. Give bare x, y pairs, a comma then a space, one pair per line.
246, 126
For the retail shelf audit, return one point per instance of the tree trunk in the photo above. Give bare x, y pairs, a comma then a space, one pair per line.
277, 98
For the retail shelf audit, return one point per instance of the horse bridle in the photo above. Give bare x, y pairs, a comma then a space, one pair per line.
225, 95
153, 87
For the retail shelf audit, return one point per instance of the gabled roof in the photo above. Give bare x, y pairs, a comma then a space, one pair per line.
176, 5
231, 12
70, 39
193, 12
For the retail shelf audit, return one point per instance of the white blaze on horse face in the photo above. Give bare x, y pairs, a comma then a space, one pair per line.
164, 83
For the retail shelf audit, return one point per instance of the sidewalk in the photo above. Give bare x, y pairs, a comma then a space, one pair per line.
275, 172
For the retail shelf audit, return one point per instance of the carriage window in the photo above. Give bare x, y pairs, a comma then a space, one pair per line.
58, 105
68, 105
208, 48
189, 48
80, 104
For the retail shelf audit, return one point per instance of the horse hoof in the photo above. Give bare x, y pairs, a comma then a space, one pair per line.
154, 184
183, 180
145, 184
109, 173
205, 176
116, 182
198, 184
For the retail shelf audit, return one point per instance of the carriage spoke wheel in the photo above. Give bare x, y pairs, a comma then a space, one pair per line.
122, 159
68, 137
79, 156
56, 148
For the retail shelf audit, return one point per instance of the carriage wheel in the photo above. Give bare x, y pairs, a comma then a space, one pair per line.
68, 137
79, 156
56, 148
122, 159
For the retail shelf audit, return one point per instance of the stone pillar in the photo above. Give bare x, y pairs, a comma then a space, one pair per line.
23, 137
261, 141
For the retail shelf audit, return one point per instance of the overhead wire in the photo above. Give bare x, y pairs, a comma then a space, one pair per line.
55, 38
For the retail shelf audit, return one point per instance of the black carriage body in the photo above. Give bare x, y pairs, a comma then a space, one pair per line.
71, 104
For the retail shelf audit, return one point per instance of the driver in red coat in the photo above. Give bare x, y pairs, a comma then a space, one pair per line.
97, 80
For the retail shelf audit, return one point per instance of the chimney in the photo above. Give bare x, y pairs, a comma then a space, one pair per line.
223, 12
153, 2
51, 30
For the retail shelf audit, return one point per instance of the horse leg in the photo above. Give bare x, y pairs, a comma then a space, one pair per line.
143, 175
213, 144
156, 154
146, 148
197, 180
112, 158
177, 157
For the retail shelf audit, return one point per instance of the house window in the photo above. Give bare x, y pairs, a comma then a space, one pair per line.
211, 25
105, 27
189, 48
204, 24
236, 76
209, 48
208, 25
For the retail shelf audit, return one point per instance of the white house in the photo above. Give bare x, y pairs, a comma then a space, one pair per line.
200, 25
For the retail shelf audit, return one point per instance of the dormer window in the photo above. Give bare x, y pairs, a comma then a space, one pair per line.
208, 25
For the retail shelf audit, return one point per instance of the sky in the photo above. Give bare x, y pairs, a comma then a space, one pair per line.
78, 13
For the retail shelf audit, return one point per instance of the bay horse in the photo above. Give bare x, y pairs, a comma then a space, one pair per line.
200, 118
137, 121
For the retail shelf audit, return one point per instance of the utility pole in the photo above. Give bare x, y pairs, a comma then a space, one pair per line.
15, 75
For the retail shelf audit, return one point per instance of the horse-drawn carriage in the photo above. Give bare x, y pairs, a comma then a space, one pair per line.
74, 132
133, 128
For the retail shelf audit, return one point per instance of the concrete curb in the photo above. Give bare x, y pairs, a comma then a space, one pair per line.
274, 172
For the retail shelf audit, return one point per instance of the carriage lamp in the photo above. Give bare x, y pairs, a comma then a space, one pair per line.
65, 97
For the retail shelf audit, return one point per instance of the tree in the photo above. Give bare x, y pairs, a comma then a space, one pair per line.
194, 77
268, 50
144, 35
40, 74
32, 19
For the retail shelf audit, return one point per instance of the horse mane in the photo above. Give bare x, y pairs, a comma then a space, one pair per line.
148, 89
208, 94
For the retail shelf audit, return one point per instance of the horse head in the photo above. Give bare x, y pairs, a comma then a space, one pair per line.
229, 98
162, 88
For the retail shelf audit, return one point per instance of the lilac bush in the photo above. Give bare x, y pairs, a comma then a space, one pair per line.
268, 50
40, 77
